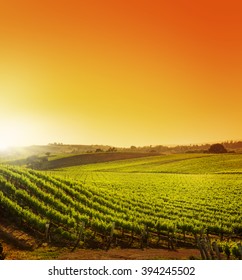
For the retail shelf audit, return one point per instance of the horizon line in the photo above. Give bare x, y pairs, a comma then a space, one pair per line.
137, 146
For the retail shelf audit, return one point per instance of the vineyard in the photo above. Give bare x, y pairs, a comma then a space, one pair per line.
160, 201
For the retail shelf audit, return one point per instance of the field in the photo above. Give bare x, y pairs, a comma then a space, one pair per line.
166, 201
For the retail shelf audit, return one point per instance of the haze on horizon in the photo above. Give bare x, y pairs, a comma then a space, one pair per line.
120, 73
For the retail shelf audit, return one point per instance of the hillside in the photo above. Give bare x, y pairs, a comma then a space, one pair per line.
91, 158
174, 163
157, 202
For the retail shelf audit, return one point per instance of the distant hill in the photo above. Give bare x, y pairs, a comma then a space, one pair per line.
92, 158
53, 151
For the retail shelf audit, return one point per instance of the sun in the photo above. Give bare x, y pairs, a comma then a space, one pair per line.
9, 137
13, 134
3, 147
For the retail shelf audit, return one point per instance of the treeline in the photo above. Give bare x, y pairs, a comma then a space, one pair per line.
46, 151
233, 145
229, 145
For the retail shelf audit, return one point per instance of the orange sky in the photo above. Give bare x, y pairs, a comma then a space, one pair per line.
120, 72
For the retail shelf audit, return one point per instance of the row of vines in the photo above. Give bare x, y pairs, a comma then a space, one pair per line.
125, 207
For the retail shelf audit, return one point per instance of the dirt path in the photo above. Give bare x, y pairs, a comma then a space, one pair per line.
15, 236
54, 253
22, 246
131, 254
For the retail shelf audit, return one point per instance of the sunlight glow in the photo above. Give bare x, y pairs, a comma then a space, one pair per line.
128, 73
13, 134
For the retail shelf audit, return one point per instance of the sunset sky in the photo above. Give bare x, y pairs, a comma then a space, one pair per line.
121, 73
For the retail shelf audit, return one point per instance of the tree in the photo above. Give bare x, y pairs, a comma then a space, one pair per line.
112, 149
98, 151
217, 149
36, 162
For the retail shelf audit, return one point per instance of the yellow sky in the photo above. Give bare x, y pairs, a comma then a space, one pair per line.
130, 73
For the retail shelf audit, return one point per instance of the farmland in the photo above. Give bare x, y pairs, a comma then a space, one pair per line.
166, 200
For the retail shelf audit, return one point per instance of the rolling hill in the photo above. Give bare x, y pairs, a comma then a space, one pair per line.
148, 201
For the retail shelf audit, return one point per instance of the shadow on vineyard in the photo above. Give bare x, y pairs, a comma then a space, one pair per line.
2, 253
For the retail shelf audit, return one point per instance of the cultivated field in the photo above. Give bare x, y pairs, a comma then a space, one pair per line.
166, 201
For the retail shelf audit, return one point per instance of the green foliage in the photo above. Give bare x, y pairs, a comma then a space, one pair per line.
177, 202
175, 164
236, 252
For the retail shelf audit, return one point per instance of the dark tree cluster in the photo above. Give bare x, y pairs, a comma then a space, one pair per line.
217, 149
